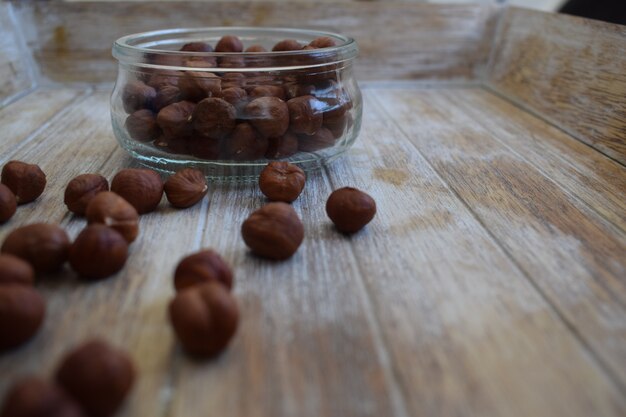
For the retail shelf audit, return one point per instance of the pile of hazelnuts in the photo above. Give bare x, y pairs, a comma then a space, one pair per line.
95, 378
238, 116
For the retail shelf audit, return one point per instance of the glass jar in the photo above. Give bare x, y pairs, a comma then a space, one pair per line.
177, 103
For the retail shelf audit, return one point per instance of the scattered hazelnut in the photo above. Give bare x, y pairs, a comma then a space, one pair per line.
268, 91
97, 376
82, 189
256, 48
274, 231
269, 115
185, 188
166, 95
26, 181
14, 270
142, 126
323, 138
143, 188
22, 311
322, 42
305, 114
287, 45
194, 85
111, 210
35, 397
282, 181
204, 318
229, 43
8, 203
202, 267
350, 209
282, 147
98, 252
44, 246
136, 96
245, 144
175, 119
236, 96
214, 117
197, 47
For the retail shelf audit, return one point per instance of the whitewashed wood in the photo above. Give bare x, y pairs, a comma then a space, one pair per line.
569, 252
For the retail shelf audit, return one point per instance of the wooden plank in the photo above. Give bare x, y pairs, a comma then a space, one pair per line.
569, 70
72, 42
15, 75
574, 257
579, 169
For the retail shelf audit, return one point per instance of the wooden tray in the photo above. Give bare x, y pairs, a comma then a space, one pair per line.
491, 283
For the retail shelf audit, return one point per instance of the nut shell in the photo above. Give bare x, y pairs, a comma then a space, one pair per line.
175, 119
26, 181
245, 144
282, 181
274, 231
287, 45
97, 376
305, 114
111, 210
98, 252
142, 188
35, 397
81, 190
202, 267
229, 43
142, 126
204, 318
350, 209
15, 271
186, 188
44, 246
22, 311
136, 96
8, 203
269, 115
214, 117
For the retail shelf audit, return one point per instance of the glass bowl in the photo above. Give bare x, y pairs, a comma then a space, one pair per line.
193, 98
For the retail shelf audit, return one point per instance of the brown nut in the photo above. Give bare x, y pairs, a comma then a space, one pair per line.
214, 118
282, 147
98, 252
202, 267
175, 119
245, 144
305, 115
44, 246
185, 188
8, 203
274, 231
236, 96
229, 43
111, 210
142, 126
22, 311
166, 95
26, 181
287, 45
282, 181
323, 42
195, 85
269, 115
323, 138
33, 396
233, 79
204, 147
136, 96
293, 90
81, 190
97, 376
163, 78
268, 91
256, 48
197, 47
204, 318
15, 271
143, 188
350, 209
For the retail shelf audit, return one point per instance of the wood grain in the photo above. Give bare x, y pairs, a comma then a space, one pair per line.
569, 70
71, 42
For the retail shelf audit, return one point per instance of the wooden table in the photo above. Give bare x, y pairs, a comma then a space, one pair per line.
492, 281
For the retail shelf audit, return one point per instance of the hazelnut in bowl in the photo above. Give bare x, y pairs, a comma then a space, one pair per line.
229, 100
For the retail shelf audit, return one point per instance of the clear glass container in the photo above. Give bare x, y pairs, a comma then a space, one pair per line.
229, 113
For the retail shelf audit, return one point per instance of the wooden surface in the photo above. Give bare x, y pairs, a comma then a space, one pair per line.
490, 283
569, 70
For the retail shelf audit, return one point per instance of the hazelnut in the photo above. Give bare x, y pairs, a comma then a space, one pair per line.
214, 117
194, 85
269, 115
111, 210
136, 96
282, 147
293, 90
172, 144
202, 267
350, 209
282, 181
22, 311
98, 252
204, 318
97, 376
14, 270
197, 47
162, 78
142, 188
82, 189
166, 95
229, 43
268, 91
175, 119
245, 144
322, 42
35, 397
305, 114
256, 48
337, 125
44, 246
236, 96
8, 203
287, 45
185, 188
233, 79
26, 181
232, 62
274, 231
203, 147
142, 126
323, 138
